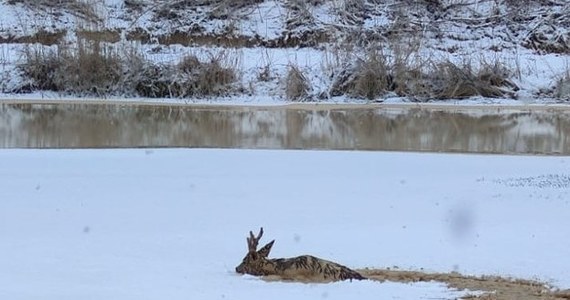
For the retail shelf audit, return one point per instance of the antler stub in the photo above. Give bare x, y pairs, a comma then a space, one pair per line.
253, 241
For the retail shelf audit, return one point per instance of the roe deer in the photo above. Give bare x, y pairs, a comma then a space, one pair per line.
303, 267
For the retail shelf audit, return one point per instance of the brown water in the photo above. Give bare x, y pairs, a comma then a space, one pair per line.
441, 129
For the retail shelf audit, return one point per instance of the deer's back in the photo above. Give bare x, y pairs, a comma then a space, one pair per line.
313, 268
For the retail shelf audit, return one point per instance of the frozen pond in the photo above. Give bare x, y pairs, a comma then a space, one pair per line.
402, 128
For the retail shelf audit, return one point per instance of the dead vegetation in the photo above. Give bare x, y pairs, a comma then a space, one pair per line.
97, 70
562, 87
42, 36
377, 74
352, 12
493, 287
87, 69
369, 78
82, 9
481, 287
170, 10
460, 81
296, 84
298, 14
209, 78
541, 25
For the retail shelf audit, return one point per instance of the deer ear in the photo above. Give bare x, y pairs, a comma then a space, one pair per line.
264, 252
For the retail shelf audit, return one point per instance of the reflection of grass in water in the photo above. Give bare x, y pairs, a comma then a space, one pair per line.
127, 125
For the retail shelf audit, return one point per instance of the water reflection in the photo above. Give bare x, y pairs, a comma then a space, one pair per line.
93, 126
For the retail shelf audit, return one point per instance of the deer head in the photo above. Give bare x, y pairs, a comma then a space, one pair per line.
255, 260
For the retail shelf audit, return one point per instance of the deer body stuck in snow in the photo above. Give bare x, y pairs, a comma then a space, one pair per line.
304, 267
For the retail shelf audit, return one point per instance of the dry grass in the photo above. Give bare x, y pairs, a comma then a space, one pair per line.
189, 78
298, 14
41, 67
87, 69
296, 84
208, 78
370, 77
170, 10
562, 88
42, 36
156, 81
91, 69
83, 9
105, 35
377, 74
352, 12
459, 81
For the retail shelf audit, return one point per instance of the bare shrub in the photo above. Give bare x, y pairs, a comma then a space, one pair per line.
420, 79
296, 84
157, 81
91, 69
458, 81
352, 12
264, 74
87, 69
190, 77
370, 78
207, 78
453, 81
298, 14
40, 68
496, 74
562, 88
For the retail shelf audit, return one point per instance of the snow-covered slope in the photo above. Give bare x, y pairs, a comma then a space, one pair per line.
263, 40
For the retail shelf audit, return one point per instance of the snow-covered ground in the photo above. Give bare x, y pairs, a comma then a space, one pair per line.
171, 224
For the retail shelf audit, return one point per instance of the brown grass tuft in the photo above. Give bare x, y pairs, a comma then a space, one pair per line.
375, 75
88, 69
562, 88
459, 81
41, 67
296, 84
209, 78
370, 78
190, 77
91, 69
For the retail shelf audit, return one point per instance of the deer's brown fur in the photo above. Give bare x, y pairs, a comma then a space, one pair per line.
305, 267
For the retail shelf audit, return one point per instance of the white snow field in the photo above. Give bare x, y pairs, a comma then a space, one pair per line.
171, 224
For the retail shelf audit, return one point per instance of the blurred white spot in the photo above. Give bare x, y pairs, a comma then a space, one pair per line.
461, 221
297, 238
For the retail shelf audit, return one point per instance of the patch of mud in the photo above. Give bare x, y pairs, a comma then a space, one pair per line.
493, 287
487, 287
543, 181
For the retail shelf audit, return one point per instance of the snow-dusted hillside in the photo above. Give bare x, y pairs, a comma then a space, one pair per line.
305, 50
